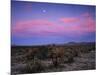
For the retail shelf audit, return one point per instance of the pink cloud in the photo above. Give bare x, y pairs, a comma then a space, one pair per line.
27, 25
43, 27
88, 24
85, 23
69, 20
32, 27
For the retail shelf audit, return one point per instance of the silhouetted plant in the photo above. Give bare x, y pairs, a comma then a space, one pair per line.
31, 54
34, 66
69, 57
55, 55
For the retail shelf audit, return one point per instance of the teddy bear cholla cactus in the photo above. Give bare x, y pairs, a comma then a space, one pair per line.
56, 54
31, 54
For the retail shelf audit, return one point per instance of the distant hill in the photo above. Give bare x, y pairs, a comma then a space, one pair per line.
80, 43
65, 44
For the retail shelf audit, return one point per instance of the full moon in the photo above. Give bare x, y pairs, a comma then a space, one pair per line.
44, 11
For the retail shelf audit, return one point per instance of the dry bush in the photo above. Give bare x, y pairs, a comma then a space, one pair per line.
30, 55
69, 57
34, 66
57, 55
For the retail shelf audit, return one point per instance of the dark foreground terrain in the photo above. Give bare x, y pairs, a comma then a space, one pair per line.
52, 58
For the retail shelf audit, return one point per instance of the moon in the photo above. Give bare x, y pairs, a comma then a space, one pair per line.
43, 11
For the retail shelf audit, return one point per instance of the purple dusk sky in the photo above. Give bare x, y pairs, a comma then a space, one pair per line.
38, 23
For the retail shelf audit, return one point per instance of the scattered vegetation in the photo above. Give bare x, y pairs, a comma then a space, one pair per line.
50, 58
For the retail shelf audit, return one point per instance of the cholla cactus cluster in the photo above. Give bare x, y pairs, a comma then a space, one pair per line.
52, 58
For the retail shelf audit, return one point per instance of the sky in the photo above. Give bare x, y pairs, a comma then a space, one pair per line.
38, 23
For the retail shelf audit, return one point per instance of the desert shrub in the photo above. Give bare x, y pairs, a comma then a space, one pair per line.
33, 66
28, 68
43, 53
72, 52
75, 53
55, 54
69, 57
30, 55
